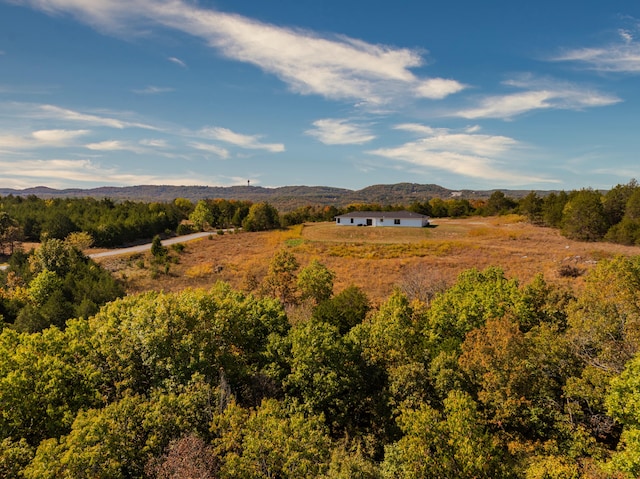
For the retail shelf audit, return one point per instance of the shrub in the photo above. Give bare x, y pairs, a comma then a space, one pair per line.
570, 271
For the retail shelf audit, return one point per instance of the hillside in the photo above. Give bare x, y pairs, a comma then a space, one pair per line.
284, 198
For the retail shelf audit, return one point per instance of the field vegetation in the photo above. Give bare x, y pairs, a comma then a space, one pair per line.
377, 259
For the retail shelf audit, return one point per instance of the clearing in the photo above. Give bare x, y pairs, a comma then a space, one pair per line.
375, 259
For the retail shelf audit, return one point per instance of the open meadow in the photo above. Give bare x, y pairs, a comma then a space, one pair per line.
375, 259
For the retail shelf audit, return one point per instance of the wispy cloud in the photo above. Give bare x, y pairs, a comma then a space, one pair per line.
155, 143
336, 67
60, 173
64, 170
251, 142
420, 129
116, 145
539, 94
58, 113
177, 61
153, 90
461, 153
332, 131
209, 148
140, 147
622, 56
41, 139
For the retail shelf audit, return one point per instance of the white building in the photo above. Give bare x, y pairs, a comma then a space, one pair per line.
383, 218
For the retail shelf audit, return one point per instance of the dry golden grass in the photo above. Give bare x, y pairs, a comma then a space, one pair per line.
376, 259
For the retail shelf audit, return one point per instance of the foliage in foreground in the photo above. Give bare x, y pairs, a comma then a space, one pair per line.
490, 379
48, 286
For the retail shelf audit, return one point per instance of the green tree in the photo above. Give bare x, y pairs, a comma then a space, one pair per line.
14, 457
43, 286
632, 207
499, 204
10, 233
531, 206
201, 217
63, 283
152, 339
454, 443
58, 226
80, 240
438, 208
261, 217
270, 442
280, 281
475, 297
315, 281
158, 251
553, 207
351, 463
54, 255
345, 310
623, 404
626, 232
116, 441
43, 384
615, 201
604, 331
327, 375
458, 207
519, 377
583, 217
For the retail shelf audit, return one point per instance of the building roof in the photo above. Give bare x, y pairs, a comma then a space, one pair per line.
383, 214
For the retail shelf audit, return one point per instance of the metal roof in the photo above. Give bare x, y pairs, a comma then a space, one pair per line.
383, 214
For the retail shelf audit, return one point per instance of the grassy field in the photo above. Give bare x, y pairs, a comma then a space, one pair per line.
375, 259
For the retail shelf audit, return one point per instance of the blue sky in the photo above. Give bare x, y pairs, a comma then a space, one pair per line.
350, 93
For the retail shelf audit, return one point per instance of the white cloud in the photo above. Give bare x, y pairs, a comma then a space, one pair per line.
438, 88
336, 67
465, 154
154, 143
107, 145
332, 131
209, 148
153, 90
57, 137
540, 94
420, 129
621, 57
41, 139
177, 61
117, 145
251, 142
58, 113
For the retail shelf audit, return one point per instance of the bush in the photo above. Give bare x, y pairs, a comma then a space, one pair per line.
184, 229
570, 271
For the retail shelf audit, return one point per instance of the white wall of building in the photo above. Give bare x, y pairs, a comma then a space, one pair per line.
388, 221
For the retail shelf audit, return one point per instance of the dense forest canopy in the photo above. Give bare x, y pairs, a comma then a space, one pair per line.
490, 378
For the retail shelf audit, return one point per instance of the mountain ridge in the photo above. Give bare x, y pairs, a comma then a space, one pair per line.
283, 197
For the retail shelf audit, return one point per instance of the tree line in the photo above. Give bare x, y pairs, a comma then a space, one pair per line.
489, 378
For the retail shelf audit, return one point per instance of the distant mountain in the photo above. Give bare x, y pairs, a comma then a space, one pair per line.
284, 198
